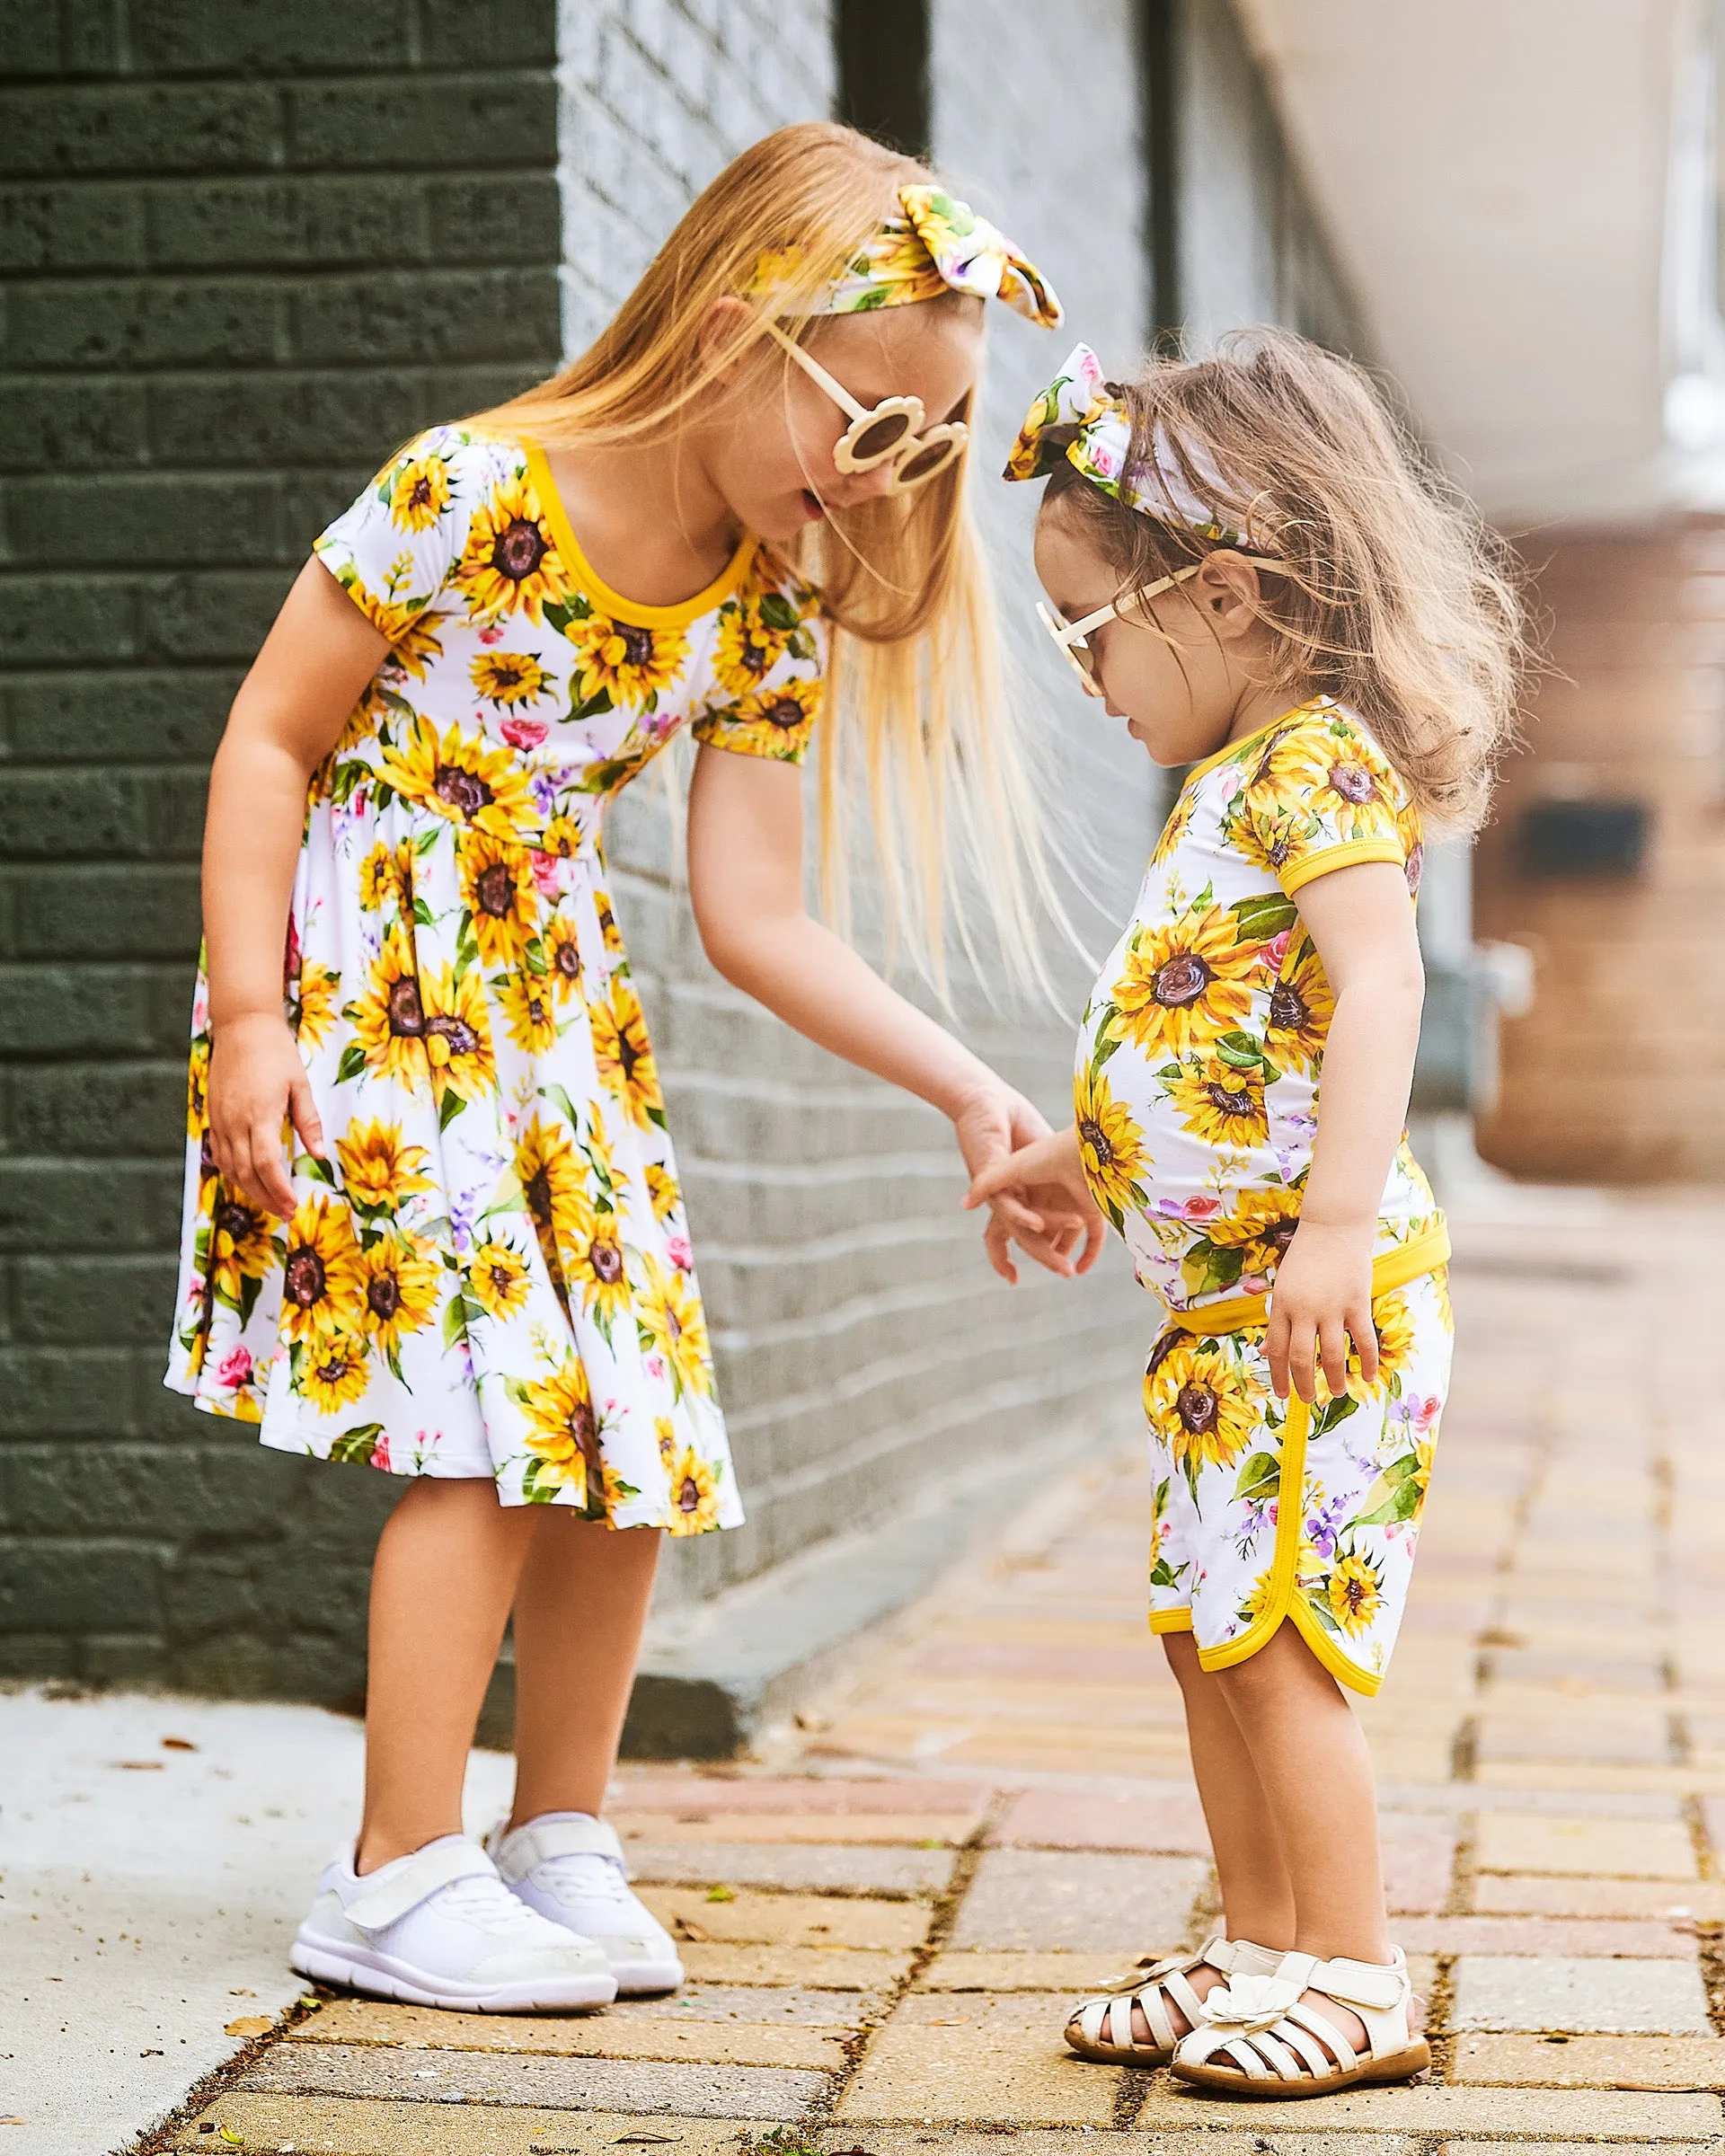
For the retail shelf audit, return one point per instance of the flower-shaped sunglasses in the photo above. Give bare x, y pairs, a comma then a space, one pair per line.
1071, 638
893, 429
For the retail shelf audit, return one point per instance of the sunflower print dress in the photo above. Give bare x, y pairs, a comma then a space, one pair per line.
490, 1273
1200, 1055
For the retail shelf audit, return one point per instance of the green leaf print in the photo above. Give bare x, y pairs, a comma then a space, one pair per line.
778, 612
1338, 1411
1163, 1575
537, 1487
1106, 1044
449, 1107
592, 707
1260, 1480
1394, 1496
562, 1102
320, 1171
1205, 1268
459, 1318
1262, 917
353, 1061
1240, 1051
355, 1447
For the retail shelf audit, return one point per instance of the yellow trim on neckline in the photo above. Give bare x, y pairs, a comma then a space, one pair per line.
1229, 749
613, 603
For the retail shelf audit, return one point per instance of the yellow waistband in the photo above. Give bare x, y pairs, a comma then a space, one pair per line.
1393, 1268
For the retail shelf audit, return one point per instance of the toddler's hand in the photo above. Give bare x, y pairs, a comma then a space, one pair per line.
1052, 1215
1323, 1293
256, 1081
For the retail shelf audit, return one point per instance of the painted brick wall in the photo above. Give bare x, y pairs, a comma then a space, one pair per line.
250, 246
866, 1350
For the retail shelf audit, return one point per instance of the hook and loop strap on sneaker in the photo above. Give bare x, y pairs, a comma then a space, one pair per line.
411, 1880
1424, 1253
541, 1840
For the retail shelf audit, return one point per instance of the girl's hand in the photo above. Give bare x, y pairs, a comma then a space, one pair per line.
1052, 1215
256, 1083
1323, 1293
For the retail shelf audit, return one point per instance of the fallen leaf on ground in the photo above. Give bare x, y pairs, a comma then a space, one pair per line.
248, 2025
721, 1894
687, 1928
178, 1744
139, 1766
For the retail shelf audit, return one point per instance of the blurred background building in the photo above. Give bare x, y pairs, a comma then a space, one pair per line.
249, 248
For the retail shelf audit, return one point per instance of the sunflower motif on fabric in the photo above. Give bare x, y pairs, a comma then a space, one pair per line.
417, 491
381, 881
388, 1021
457, 1035
1202, 1400
596, 1272
403, 1284
312, 1003
1219, 1102
499, 1279
672, 1323
1259, 1225
197, 1086
564, 958
378, 1168
527, 1002
626, 661
754, 635
497, 887
1110, 1143
562, 1432
554, 1179
1301, 1007
1351, 1593
322, 1280
1186, 982
774, 722
242, 1248
1393, 1323
694, 1493
624, 1054
1339, 779
505, 678
458, 776
331, 1371
662, 1193
510, 564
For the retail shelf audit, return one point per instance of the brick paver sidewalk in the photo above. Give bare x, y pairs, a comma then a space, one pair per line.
883, 1928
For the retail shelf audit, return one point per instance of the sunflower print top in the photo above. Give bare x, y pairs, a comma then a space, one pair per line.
491, 1273
1201, 1048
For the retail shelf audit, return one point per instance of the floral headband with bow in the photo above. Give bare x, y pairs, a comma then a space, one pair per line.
1079, 417
935, 245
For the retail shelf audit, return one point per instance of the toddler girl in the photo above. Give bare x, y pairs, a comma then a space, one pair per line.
1246, 562
473, 1269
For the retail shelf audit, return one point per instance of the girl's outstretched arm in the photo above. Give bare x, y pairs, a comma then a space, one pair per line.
1047, 1176
745, 886
291, 710
1361, 920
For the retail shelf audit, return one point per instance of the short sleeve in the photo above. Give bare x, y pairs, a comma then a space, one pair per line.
769, 667
395, 549
1325, 797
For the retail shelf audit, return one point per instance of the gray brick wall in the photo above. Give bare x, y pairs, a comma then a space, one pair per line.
248, 248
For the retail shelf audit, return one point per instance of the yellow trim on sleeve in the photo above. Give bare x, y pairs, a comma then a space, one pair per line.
1230, 748
594, 586
1391, 1269
1299, 873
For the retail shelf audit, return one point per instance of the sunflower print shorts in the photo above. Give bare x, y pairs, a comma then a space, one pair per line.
1264, 1511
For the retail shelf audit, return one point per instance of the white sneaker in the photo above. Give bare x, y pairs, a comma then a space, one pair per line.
569, 1866
439, 1927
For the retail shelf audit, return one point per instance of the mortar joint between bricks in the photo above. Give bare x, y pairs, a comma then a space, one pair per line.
220, 2079
1459, 1900
947, 1904
1439, 2003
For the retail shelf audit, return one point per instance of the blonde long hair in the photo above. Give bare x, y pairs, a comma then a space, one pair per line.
915, 695
1396, 600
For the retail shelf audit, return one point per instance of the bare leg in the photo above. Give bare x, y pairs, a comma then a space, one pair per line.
1257, 1893
445, 1575
1315, 1772
579, 1613
1257, 1897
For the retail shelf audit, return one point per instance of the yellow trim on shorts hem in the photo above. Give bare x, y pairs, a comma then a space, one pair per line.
1170, 1620
1391, 1269
1301, 872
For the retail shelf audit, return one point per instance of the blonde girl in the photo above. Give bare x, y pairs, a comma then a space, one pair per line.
472, 1269
1248, 564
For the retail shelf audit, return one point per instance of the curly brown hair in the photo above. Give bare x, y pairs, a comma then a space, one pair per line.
1395, 598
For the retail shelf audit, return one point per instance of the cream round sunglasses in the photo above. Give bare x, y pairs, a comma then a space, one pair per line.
893, 429
1070, 637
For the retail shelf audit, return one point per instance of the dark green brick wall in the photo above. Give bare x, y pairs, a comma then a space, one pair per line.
247, 246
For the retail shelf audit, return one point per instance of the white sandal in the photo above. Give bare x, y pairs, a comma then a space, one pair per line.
1101, 2029
1254, 2037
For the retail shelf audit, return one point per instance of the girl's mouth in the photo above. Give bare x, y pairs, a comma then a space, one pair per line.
812, 505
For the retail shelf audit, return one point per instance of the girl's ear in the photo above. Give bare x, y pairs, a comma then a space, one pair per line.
1226, 588
724, 328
